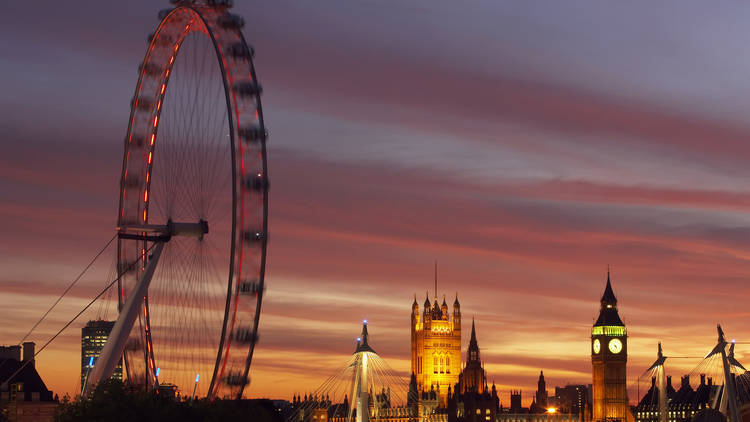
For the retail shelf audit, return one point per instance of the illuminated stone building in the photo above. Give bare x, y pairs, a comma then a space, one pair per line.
93, 337
609, 356
436, 346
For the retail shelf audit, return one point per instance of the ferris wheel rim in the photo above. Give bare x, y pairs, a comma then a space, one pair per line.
238, 227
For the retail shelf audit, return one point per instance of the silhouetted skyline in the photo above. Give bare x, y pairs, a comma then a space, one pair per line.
524, 147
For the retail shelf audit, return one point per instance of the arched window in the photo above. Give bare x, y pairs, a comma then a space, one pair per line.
442, 365
448, 365
435, 365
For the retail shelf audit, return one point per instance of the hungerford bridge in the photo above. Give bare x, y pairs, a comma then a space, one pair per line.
721, 400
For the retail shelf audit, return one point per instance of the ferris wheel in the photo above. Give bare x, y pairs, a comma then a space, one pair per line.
193, 213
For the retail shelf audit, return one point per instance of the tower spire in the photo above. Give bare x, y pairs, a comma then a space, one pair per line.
608, 313
436, 292
608, 298
473, 339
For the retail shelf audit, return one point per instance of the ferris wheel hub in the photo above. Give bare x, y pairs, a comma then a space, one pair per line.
163, 233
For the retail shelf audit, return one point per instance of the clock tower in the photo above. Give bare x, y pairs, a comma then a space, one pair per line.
609, 356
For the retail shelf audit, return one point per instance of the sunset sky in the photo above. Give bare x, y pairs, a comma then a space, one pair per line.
525, 146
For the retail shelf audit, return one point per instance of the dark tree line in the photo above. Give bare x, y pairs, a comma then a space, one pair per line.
114, 401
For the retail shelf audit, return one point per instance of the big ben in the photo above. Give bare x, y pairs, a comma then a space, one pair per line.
609, 357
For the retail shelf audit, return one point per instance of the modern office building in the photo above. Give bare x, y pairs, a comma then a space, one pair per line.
93, 337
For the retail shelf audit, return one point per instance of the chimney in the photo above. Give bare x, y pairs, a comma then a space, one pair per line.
28, 352
669, 382
710, 382
703, 379
686, 381
10, 352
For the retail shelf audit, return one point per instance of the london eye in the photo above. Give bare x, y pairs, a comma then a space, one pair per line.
193, 212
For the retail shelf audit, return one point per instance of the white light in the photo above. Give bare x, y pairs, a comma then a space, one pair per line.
364, 321
197, 377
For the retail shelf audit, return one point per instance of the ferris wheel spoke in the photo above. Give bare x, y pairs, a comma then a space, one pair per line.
195, 320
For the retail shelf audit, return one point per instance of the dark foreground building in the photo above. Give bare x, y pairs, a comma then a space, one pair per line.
23, 394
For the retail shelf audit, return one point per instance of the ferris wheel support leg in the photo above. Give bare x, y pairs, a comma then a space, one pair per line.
112, 351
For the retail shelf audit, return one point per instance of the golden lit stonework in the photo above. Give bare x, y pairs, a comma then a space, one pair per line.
436, 346
609, 363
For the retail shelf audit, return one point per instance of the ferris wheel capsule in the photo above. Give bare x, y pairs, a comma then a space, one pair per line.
195, 154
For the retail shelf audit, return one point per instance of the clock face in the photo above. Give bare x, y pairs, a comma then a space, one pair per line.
597, 346
615, 345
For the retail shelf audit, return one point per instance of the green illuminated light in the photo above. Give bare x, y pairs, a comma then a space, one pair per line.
608, 330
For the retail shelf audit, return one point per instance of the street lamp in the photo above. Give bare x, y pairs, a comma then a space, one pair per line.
88, 371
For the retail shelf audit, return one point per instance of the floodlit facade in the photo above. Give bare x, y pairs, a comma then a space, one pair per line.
609, 357
436, 347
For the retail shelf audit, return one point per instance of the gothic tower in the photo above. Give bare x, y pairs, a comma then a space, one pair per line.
609, 356
436, 345
541, 391
473, 378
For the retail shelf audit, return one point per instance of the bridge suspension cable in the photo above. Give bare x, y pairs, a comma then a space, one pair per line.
106, 288
67, 289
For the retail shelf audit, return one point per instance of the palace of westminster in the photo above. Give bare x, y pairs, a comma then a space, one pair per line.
443, 389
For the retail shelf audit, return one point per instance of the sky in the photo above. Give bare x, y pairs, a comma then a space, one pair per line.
524, 146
